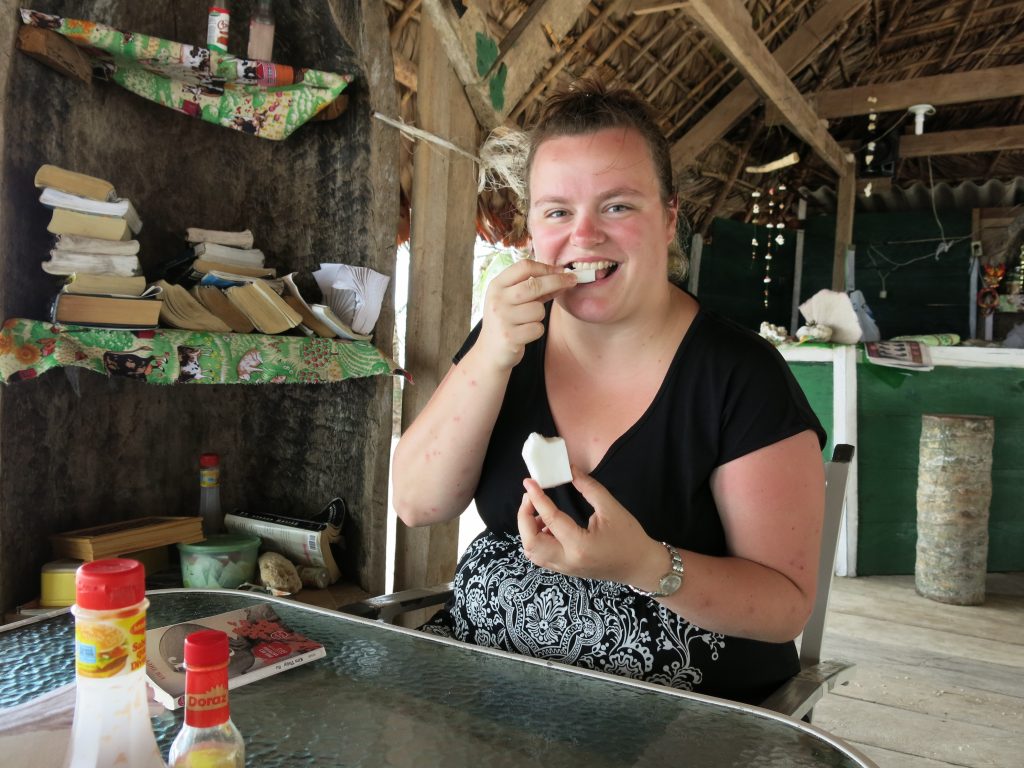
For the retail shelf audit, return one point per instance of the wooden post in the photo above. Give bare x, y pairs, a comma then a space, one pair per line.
440, 279
954, 488
846, 197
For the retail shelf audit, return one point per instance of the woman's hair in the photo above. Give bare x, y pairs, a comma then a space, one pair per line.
587, 106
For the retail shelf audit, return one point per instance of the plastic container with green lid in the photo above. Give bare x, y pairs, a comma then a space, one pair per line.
224, 561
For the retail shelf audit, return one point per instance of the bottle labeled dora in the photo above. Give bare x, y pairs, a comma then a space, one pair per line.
112, 725
208, 739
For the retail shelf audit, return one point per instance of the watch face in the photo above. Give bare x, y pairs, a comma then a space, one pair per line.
670, 583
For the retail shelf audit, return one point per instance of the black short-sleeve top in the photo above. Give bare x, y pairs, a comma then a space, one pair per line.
727, 392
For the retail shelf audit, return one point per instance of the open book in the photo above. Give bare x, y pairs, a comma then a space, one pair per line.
261, 645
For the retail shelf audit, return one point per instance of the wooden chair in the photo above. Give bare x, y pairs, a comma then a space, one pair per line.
798, 695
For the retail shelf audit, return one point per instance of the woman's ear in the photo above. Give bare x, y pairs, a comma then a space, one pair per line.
672, 211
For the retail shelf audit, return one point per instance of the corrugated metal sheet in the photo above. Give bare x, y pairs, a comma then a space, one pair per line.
918, 196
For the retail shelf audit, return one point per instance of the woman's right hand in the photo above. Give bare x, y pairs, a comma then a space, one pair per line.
514, 309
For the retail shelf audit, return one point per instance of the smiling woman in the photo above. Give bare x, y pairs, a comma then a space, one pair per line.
683, 551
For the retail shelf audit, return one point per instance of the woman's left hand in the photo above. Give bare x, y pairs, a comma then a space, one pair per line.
613, 546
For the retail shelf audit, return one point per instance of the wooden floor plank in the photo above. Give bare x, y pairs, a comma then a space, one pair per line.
959, 743
935, 686
887, 758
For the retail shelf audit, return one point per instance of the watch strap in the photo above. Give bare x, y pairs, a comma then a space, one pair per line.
677, 570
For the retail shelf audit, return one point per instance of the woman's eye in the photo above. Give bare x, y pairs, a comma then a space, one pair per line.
556, 214
617, 208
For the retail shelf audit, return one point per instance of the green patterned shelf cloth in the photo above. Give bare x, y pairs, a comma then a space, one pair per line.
255, 97
165, 356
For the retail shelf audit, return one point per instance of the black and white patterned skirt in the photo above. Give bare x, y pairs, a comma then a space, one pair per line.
502, 600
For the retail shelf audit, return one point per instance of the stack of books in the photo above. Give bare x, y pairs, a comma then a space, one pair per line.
224, 284
95, 251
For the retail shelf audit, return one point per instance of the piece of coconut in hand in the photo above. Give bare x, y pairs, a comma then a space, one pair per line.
547, 459
583, 275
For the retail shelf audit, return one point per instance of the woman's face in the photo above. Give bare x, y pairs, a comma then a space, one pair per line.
595, 200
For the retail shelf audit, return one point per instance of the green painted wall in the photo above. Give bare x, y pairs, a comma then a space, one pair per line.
890, 405
732, 283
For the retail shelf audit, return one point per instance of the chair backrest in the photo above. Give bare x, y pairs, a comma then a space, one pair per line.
836, 472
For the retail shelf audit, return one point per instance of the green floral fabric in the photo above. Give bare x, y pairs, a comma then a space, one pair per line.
256, 97
165, 356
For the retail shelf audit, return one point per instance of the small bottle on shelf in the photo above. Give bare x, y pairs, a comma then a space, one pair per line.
209, 494
208, 738
218, 24
112, 725
261, 32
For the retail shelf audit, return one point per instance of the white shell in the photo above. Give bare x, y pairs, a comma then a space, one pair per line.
547, 459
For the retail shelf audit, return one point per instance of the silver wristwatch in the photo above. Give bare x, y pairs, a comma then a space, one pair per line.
672, 580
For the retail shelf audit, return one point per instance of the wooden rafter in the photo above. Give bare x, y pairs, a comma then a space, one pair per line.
954, 88
511, 67
728, 22
790, 55
963, 142
613, 7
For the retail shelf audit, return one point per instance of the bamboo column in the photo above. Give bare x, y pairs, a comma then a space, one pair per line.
954, 488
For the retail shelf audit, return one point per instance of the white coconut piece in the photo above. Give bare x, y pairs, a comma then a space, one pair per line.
547, 459
583, 275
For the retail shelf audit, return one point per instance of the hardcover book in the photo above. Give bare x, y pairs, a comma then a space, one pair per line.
261, 645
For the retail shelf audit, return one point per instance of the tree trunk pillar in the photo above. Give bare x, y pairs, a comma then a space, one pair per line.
954, 488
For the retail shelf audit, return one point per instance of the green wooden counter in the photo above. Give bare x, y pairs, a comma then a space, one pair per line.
879, 410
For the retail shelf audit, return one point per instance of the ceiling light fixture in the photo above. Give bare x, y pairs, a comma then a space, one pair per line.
919, 111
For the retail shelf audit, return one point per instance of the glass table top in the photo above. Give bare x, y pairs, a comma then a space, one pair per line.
386, 696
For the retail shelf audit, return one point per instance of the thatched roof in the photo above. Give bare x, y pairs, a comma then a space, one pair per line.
839, 44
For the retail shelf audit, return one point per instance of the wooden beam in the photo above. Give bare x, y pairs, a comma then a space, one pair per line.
529, 48
846, 199
559, 64
440, 284
459, 38
954, 88
964, 142
790, 55
728, 23
497, 73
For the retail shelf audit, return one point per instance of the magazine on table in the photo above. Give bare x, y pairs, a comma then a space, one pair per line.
261, 645
910, 355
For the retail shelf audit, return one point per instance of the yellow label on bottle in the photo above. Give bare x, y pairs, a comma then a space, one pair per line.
110, 647
209, 477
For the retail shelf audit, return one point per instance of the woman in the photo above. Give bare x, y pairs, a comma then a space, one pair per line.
684, 552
